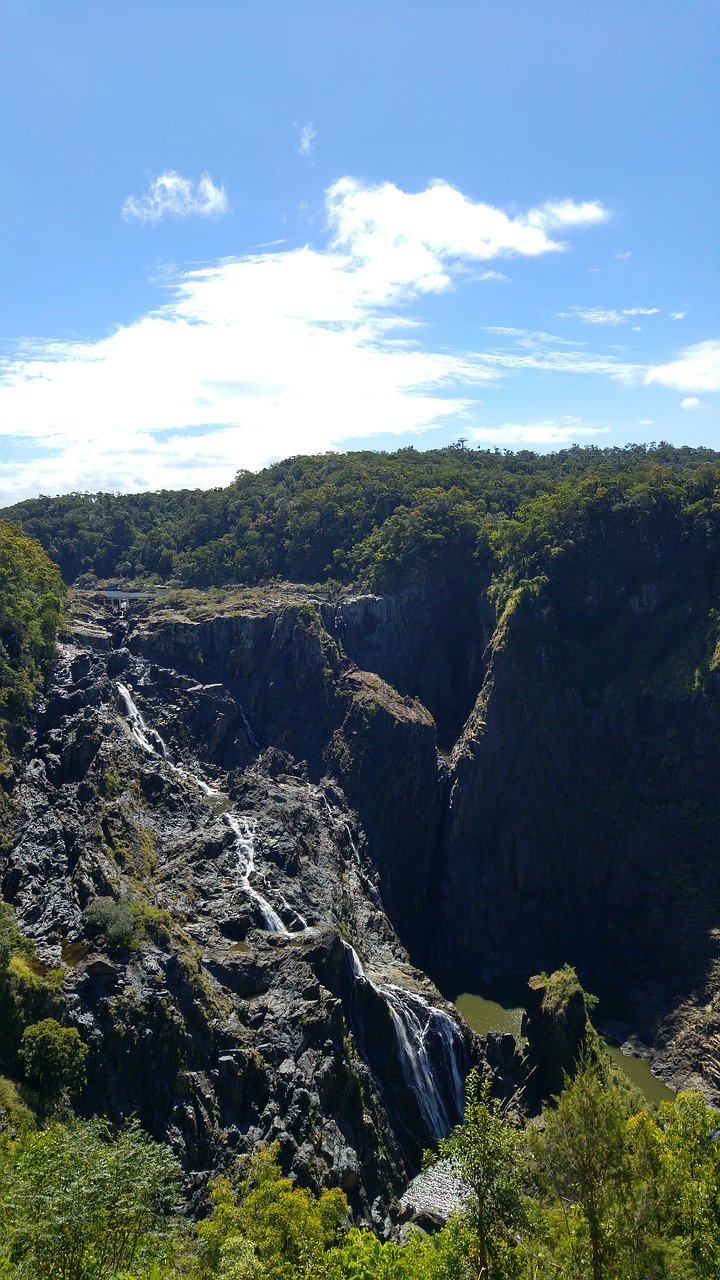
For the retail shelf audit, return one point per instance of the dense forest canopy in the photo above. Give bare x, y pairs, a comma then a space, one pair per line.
382, 518
31, 598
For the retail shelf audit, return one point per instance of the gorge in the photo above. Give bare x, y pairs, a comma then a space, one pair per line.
294, 803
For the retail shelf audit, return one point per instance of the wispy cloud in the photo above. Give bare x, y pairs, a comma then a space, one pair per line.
697, 368
307, 135
545, 431
598, 315
171, 196
678, 315
691, 402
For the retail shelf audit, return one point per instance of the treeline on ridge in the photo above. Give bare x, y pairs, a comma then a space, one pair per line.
381, 519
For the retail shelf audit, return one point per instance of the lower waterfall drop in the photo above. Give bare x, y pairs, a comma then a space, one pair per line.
414, 1019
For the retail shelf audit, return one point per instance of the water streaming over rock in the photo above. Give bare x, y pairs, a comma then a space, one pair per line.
428, 1041
429, 1047
151, 741
245, 847
415, 1021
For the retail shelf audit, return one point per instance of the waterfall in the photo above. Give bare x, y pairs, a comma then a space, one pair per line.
149, 739
353, 845
248, 731
245, 848
414, 1021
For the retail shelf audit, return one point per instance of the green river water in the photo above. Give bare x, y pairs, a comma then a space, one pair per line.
498, 1006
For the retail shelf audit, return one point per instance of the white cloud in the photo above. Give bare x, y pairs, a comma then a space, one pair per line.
691, 402
530, 337
678, 315
598, 315
418, 240
307, 135
697, 368
623, 257
546, 431
560, 215
281, 352
171, 196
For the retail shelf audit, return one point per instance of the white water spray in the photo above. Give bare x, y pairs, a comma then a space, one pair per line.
414, 1019
149, 739
245, 848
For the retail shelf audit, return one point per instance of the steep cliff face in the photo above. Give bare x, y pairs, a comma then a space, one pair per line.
255, 798
428, 642
583, 821
183, 853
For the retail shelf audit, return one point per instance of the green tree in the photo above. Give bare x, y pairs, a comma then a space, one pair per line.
363, 1257
692, 1151
579, 1161
54, 1059
486, 1150
290, 1229
80, 1203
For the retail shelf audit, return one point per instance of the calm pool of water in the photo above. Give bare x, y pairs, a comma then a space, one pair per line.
498, 1006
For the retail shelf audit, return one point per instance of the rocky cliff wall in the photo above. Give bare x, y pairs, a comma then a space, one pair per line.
245, 982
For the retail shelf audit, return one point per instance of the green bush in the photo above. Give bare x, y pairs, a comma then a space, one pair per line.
114, 920
80, 1203
54, 1059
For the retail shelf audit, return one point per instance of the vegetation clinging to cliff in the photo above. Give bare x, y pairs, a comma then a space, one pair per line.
596, 1190
31, 601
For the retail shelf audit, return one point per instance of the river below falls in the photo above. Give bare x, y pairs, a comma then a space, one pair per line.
498, 1006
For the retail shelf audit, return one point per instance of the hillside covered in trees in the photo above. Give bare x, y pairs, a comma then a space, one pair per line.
382, 519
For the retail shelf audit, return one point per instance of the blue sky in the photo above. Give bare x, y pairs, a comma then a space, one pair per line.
233, 231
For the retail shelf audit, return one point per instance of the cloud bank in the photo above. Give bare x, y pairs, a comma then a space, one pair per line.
296, 350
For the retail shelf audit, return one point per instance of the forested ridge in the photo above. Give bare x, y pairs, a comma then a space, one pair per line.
382, 518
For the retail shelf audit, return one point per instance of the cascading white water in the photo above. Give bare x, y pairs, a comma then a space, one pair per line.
413, 1019
353, 846
152, 742
149, 739
245, 847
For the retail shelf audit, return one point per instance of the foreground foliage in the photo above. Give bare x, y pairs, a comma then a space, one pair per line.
31, 602
594, 1191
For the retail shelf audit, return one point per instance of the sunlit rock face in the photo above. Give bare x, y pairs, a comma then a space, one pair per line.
168, 780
